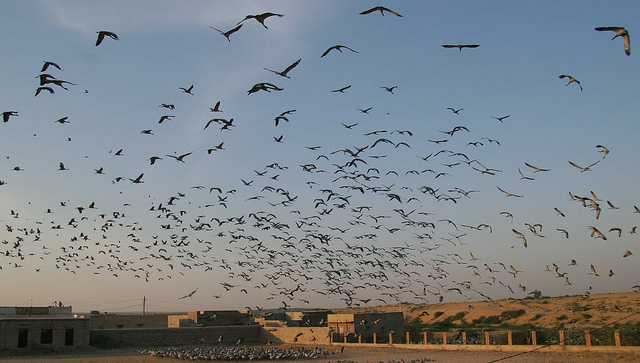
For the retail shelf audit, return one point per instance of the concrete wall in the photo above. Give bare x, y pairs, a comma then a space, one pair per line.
118, 338
9, 330
366, 324
270, 323
498, 348
341, 323
35, 310
315, 318
218, 317
119, 321
32, 310
380, 323
297, 335
7, 310
180, 321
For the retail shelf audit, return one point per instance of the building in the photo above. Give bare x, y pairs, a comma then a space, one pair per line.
99, 320
315, 318
365, 324
264, 322
305, 318
50, 328
207, 318
180, 321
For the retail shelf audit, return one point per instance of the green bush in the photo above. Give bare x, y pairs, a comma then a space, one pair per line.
536, 317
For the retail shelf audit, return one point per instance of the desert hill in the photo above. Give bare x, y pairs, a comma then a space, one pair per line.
578, 312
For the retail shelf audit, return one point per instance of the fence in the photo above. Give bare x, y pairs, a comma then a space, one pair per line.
502, 340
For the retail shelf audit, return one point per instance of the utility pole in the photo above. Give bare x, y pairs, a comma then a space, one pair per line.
144, 305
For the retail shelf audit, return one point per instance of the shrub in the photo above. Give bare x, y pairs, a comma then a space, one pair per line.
536, 317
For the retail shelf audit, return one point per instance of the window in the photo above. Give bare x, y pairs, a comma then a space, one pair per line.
68, 337
46, 336
23, 338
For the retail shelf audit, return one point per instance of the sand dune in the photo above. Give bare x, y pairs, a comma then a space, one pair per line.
577, 312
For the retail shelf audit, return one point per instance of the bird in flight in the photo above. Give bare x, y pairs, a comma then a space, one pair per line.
460, 46
285, 72
219, 121
216, 107
536, 169
619, 32
283, 117
564, 232
603, 150
179, 158
228, 33
62, 120
48, 89
137, 180
264, 86
103, 33
524, 177
583, 168
165, 118
389, 89
341, 90
509, 194
454, 110
365, 110
189, 295
382, 10
339, 48
188, 91
571, 79
48, 64
501, 118
595, 233
260, 18
8, 114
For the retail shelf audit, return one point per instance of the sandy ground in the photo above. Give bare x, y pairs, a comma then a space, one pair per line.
578, 312
351, 354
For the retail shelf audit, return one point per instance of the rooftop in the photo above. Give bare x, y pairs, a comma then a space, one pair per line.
42, 317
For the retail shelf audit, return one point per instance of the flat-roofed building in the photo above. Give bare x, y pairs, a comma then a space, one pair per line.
42, 329
208, 318
180, 321
365, 324
99, 320
315, 318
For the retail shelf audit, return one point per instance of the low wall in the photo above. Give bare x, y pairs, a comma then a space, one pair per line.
119, 338
296, 335
120, 321
498, 348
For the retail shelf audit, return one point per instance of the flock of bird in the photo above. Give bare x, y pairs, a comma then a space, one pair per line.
333, 243
238, 352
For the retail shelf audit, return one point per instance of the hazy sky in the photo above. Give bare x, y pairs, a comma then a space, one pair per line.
168, 44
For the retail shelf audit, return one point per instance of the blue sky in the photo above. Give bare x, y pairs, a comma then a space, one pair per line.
165, 45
